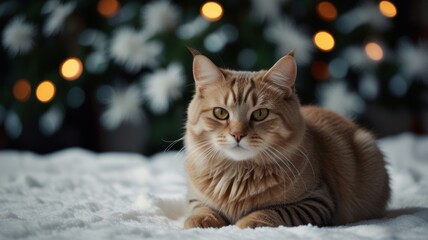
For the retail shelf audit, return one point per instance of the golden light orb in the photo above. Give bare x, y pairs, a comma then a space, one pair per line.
324, 41
374, 51
327, 11
45, 92
388, 9
71, 69
22, 90
108, 8
212, 11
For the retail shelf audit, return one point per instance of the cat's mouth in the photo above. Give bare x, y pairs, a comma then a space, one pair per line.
239, 153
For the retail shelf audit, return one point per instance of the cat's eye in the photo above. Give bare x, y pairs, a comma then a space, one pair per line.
220, 113
260, 114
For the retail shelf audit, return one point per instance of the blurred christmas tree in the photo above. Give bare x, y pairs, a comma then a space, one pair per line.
116, 75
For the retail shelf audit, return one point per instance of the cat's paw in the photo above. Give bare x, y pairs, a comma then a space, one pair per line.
204, 221
257, 219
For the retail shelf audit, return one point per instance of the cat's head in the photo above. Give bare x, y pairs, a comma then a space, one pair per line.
244, 115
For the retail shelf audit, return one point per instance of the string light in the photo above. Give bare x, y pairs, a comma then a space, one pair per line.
324, 41
71, 69
374, 51
388, 9
45, 91
212, 11
22, 90
320, 71
108, 8
327, 11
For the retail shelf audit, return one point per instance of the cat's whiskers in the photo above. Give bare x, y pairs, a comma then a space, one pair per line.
307, 159
172, 143
288, 162
268, 156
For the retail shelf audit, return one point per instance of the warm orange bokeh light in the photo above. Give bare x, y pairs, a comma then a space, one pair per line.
45, 91
108, 8
388, 9
324, 41
319, 70
374, 51
327, 11
212, 11
71, 68
22, 90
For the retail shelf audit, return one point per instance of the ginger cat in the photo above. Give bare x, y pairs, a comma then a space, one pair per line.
255, 157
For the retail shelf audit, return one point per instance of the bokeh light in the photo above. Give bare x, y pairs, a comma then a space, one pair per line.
388, 9
374, 51
71, 69
108, 8
45, 92
75, 97
212, 11
327, 11
22, 90
320, 71
338, 68
324, 41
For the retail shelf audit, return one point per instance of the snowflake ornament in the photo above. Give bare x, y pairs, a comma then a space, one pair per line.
133, 49
58, 12
18, 36
51, 120
13, 125
358, 59
288, 37
160, 16
123, 105
368, 13
162, 87
267, 9
413, 60
336, 97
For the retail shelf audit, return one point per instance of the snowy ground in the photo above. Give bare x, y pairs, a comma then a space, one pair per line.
76, 194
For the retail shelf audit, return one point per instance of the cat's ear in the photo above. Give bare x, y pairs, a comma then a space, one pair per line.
205, 72
283, 73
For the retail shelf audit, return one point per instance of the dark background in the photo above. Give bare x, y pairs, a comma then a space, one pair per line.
386, 114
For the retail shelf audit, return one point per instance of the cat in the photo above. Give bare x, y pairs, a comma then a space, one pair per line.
256, 158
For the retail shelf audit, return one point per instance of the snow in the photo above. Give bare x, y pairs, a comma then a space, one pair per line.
77, 194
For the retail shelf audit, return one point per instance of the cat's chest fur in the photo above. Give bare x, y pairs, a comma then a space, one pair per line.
236, 189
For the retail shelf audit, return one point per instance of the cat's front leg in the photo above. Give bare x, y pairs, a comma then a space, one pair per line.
205, 217
315, 211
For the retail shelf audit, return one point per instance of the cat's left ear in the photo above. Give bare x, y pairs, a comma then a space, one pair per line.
283, 74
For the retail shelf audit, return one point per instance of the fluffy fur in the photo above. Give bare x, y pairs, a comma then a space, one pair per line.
298, 165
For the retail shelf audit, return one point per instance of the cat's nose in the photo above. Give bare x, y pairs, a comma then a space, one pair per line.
238, 136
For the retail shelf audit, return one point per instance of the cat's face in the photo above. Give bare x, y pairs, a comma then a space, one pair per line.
244, 115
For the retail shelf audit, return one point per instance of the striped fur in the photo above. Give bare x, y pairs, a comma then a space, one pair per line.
299, 165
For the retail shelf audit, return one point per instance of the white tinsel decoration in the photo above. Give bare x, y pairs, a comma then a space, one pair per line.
51, 120
192, 28
266, 9
288, 37
336, 97
368, 86
413, 60
133, 49
18, 36
13, 125
358, 59
160, 16
58, 12
368, 13
123, 105
163, 86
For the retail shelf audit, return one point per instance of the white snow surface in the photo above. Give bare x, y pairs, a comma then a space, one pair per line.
78, 194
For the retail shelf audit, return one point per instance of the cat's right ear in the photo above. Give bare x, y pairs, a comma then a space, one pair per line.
205, 72
283, 74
